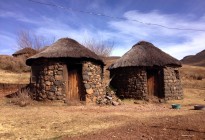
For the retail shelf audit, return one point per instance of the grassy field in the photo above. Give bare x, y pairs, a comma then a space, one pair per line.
57, 121
14, 78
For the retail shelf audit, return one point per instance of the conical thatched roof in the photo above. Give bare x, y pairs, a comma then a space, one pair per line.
65, 48
145, 54
25, 51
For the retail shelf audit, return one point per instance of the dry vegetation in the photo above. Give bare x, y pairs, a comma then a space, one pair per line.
193, 77
13, 64
14, 78
59, 121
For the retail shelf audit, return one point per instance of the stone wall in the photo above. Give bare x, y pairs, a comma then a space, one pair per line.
93, 81
49, 81
172, 84
129, 82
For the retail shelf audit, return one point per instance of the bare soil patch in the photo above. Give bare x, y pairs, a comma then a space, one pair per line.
175, 127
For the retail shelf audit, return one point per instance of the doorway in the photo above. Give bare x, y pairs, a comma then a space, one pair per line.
155, 82
76, 90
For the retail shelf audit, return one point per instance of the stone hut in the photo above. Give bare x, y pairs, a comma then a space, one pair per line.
25, 53
66, 71
146, 72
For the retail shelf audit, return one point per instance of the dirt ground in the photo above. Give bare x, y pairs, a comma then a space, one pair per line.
129, 121
170, 128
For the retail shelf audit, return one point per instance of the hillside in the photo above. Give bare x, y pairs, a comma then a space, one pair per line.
195, 60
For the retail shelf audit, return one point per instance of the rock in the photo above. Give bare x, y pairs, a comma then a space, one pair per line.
50, 93
58, 83
58, 77
119, 101
59, 97
53, 88
48, 87
50, 67
22, 103
60, 89
50, 72
48, 83
89, 91
108, 97
60, 72
96, 94
104, 101
87, 86
85, 77
115, 103
90, 73
58, 93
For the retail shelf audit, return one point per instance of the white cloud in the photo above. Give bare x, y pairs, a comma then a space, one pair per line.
178, 43
125, 33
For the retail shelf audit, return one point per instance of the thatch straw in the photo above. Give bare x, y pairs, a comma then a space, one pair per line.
145, 54
65, 48
25, 51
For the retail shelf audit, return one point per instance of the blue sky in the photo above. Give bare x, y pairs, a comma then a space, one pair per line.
17, 15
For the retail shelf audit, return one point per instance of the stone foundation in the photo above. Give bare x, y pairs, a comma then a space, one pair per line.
172, 84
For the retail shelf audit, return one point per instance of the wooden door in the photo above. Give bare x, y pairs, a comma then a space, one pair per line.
73, 89
76, 90
155, 82
150, 83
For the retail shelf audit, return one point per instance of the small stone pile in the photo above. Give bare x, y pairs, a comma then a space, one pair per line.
109, 98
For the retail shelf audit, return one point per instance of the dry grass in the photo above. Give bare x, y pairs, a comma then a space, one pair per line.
189, 74
14, 78
13, 64
49, 121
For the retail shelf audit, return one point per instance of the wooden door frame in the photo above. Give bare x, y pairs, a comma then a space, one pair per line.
158, 79
81, 87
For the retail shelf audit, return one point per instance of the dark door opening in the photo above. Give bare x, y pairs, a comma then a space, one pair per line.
155, 82
76, 90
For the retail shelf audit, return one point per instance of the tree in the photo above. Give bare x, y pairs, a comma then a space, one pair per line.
26, 39
100, 47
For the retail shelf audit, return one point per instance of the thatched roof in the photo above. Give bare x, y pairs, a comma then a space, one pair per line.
145, 54
66, 48
25, 51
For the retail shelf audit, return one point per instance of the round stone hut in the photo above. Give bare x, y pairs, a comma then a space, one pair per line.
66, 71
25, 53
146, 72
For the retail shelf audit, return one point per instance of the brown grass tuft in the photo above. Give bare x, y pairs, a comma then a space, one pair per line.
21, 98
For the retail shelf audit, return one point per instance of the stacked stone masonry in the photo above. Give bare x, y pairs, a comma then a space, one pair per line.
93, 81
172, 84
50, 81
135, 79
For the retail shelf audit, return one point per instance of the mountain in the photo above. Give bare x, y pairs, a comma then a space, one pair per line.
195, 60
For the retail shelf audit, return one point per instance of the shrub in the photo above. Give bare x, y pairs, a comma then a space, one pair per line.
197, 77
13, 64
21, 97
